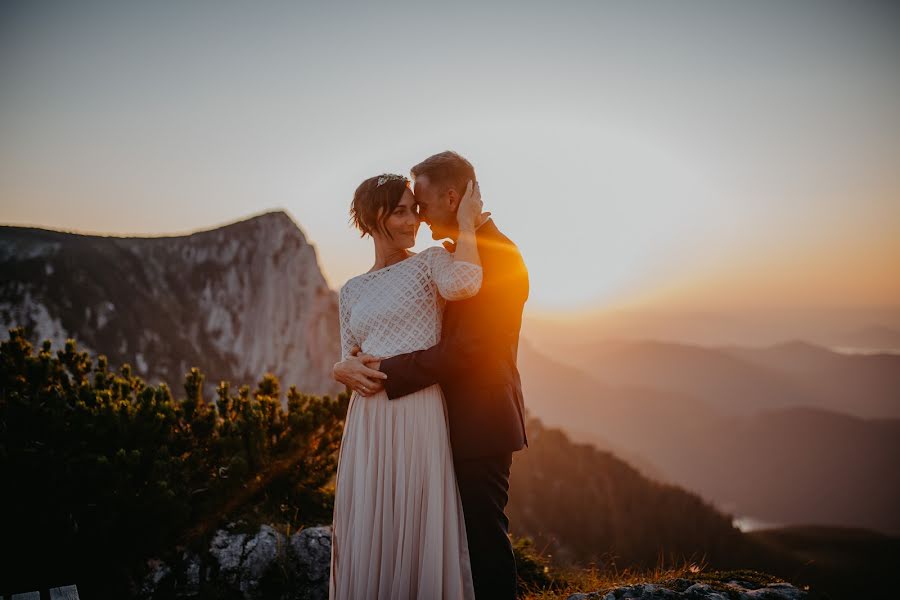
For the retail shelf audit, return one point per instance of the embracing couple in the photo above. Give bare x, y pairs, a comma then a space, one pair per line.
429, 343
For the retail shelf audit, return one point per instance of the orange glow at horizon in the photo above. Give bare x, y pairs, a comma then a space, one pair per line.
864, 273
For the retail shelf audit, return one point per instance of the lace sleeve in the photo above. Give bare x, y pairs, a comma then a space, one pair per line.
455, 279
347, 339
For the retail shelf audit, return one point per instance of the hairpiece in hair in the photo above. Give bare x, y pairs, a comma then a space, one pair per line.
389, 177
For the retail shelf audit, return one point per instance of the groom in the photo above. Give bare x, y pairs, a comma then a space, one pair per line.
475, 364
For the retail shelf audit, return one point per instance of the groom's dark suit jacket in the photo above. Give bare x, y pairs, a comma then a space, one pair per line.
475, 361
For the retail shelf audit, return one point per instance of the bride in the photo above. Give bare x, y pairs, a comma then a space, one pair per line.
398, 527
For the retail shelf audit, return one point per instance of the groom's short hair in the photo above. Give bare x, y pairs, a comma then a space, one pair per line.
445, 170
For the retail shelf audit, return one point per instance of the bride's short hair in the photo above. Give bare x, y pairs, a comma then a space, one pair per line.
374, 201
445, 170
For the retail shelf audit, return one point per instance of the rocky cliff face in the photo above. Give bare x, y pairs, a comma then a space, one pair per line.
235, 301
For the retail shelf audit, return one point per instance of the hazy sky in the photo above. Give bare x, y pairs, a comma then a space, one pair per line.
671, 153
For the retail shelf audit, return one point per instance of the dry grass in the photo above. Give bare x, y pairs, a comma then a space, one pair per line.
571, 581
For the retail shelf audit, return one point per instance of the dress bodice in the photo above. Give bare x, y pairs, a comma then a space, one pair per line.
398, 308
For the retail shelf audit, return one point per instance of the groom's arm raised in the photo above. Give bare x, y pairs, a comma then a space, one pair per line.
490, 321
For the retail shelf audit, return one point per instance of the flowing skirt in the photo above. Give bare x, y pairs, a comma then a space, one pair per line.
398, 529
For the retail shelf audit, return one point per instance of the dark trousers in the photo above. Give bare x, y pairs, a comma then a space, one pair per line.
484, 489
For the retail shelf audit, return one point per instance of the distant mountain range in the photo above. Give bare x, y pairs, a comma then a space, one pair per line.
865, 385
872, 337
742, 381
235, 301
777, 463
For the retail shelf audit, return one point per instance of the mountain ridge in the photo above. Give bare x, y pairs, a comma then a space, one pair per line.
237, 300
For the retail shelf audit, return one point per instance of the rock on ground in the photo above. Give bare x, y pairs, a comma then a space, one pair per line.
737, 590
299, 567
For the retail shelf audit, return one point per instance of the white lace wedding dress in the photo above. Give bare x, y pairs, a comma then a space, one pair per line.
398, 523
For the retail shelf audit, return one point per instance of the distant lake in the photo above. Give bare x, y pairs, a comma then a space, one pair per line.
751, 524
852, 350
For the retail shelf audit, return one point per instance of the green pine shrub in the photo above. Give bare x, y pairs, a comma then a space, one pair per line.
101, 471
